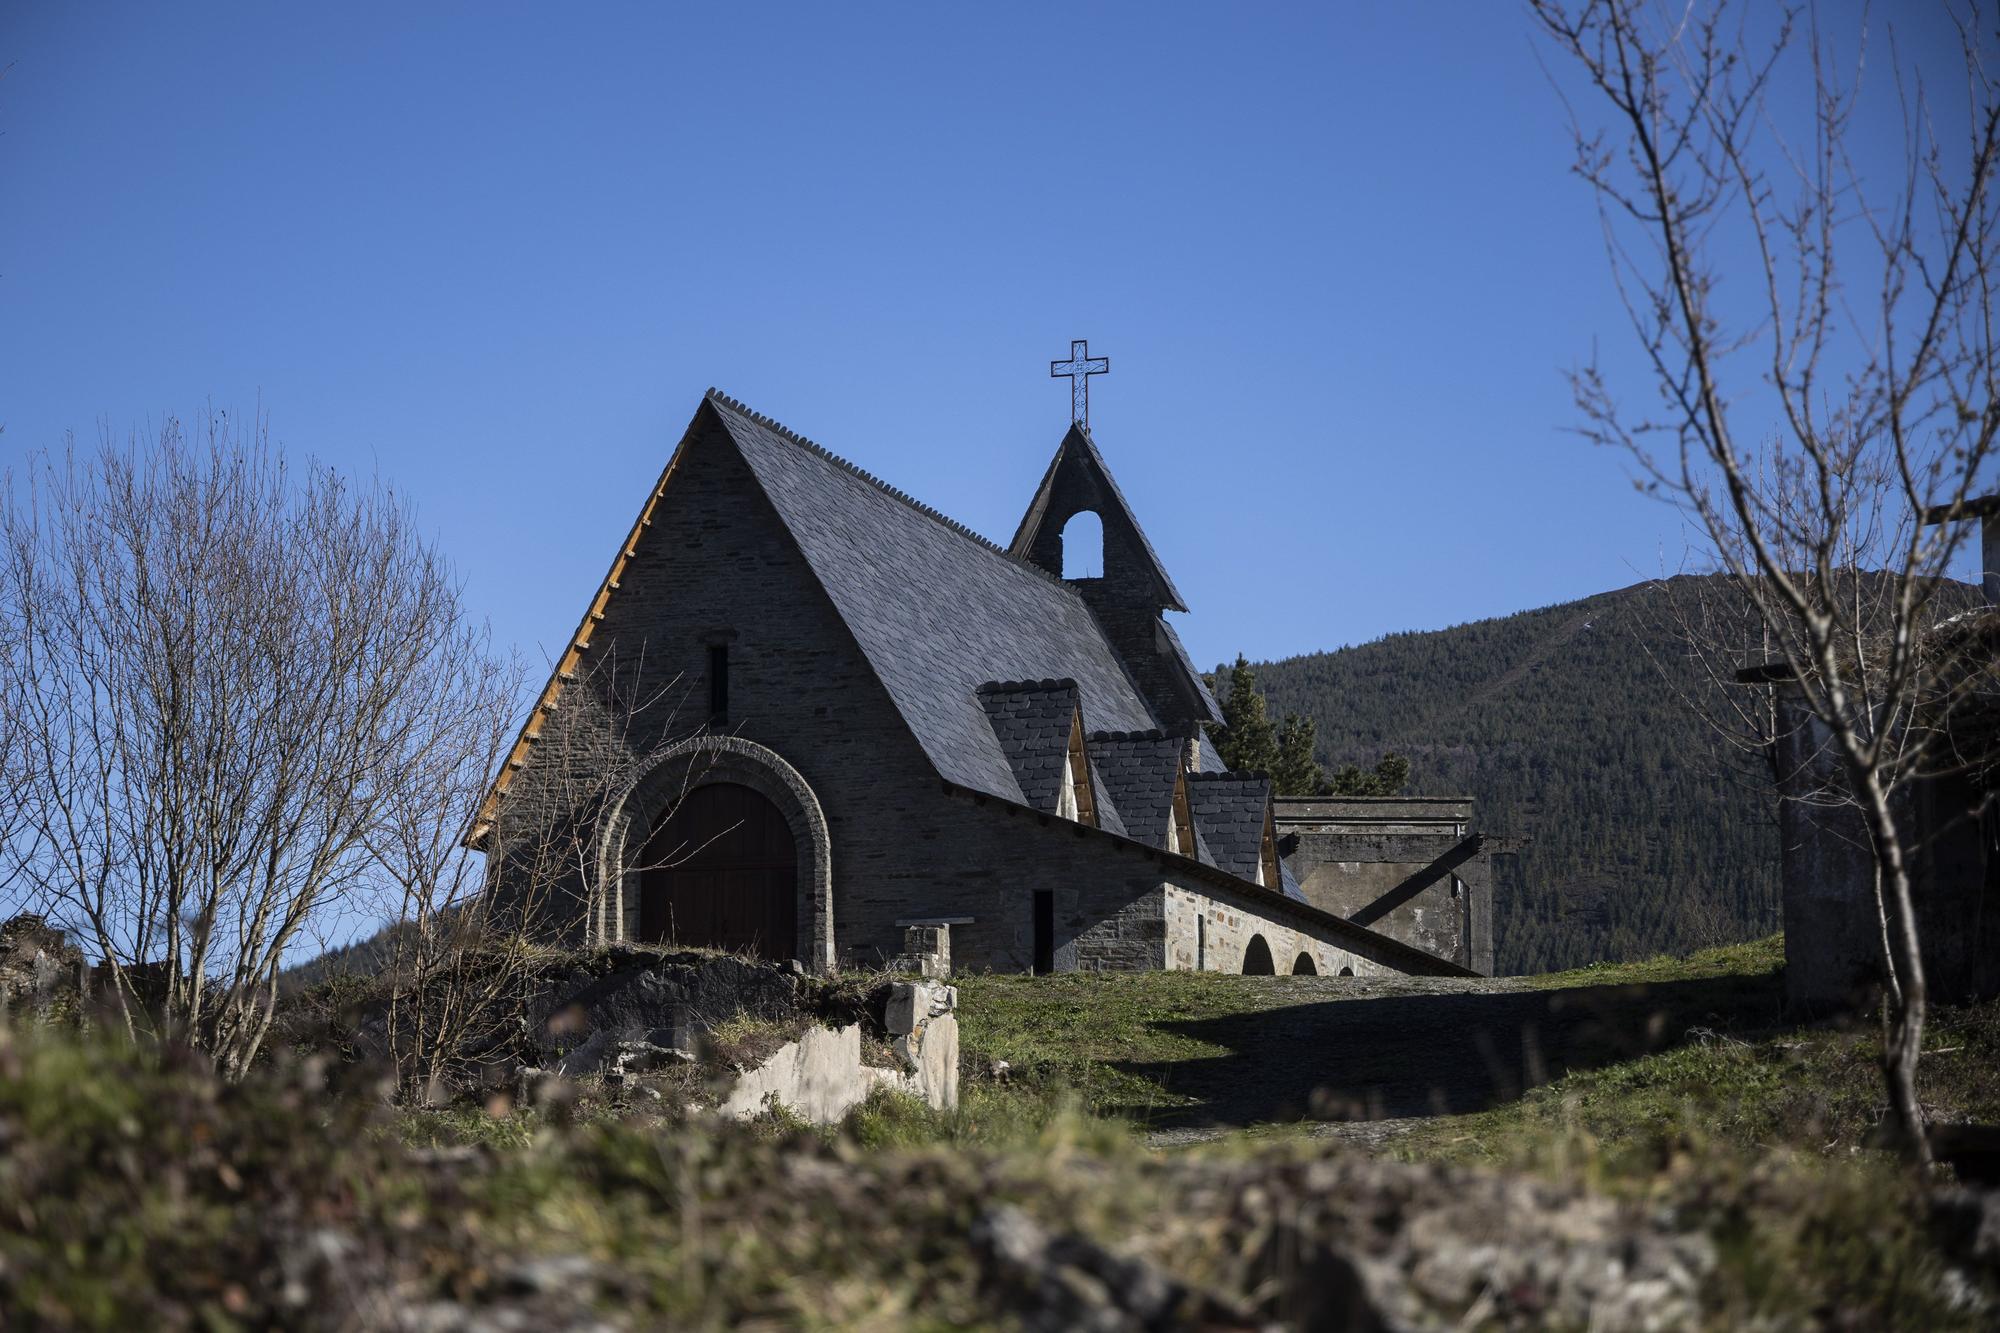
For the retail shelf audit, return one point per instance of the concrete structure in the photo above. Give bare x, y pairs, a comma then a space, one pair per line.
876, 718
1410, 867
821, 1076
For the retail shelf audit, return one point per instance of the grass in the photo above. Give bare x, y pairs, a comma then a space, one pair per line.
1751, 958
1066, 1035
1086, 1036
136, 1190
1810, 1090
1768, 1137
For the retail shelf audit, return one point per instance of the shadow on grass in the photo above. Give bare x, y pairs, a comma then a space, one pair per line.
1418, 1055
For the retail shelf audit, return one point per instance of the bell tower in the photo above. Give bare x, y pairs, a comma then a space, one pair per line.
1129, 591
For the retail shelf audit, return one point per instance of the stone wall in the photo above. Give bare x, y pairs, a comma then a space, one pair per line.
1833, 933
717, 566
821, 1076
1411, 868
1213, 934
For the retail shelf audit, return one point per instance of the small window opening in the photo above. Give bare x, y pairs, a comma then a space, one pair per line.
1045, 932
718, 684
1346, 971
1083, 546
1201, 943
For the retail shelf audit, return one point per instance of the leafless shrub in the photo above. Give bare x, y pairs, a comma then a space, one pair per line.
220, 677
474, 927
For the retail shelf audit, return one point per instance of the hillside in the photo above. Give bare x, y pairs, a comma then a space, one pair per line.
1646, 834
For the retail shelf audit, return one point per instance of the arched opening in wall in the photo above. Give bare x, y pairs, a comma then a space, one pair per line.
1083, 546
1302, 966
1347, 971
720, 871
1257, 960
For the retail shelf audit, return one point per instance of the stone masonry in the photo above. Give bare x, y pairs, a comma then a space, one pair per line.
1410, 867
715, 563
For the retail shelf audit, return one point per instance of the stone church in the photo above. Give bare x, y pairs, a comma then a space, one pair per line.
808, 716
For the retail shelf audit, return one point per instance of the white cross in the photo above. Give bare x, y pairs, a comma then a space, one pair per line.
1080, 367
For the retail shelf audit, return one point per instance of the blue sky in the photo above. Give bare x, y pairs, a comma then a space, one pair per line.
495, 253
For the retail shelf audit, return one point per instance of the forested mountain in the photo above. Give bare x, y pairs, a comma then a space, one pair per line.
1646, 833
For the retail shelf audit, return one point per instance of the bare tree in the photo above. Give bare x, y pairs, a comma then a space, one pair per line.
586, 746
450, 957
1806, 423
217, 666
486, 879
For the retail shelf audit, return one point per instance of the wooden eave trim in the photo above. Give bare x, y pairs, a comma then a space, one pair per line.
579, 644
1181, 818
1079, 769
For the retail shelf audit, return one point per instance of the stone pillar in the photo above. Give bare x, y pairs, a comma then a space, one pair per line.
1477, 876
927, 946
923, 1027
1833, 933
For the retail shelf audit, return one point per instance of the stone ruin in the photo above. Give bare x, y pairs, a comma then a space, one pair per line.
42, 974
636, 1016
627, 1013
822, 1076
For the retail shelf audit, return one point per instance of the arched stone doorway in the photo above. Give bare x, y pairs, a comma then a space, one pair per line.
671, 780
1302, 966
1257, 960
720, 871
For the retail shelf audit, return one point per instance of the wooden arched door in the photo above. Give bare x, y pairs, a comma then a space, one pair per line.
721, 872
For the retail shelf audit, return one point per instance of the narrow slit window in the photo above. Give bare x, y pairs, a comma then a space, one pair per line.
1045, 932
718, 684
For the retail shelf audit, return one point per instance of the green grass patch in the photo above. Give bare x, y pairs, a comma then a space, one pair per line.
1749, 959
1066, 1035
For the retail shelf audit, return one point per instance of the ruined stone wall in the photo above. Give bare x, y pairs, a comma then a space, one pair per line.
1392, 883
1407, 867
1121, 906
1833, 942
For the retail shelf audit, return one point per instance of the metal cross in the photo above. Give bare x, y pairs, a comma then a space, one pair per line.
1080, 367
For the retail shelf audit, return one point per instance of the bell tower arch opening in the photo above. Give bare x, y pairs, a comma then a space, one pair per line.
1083, 546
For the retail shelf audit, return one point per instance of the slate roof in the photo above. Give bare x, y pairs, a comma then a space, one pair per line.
1137, 770
1229, 813
1033, 719
1109, 817
936, 608
1195, 678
